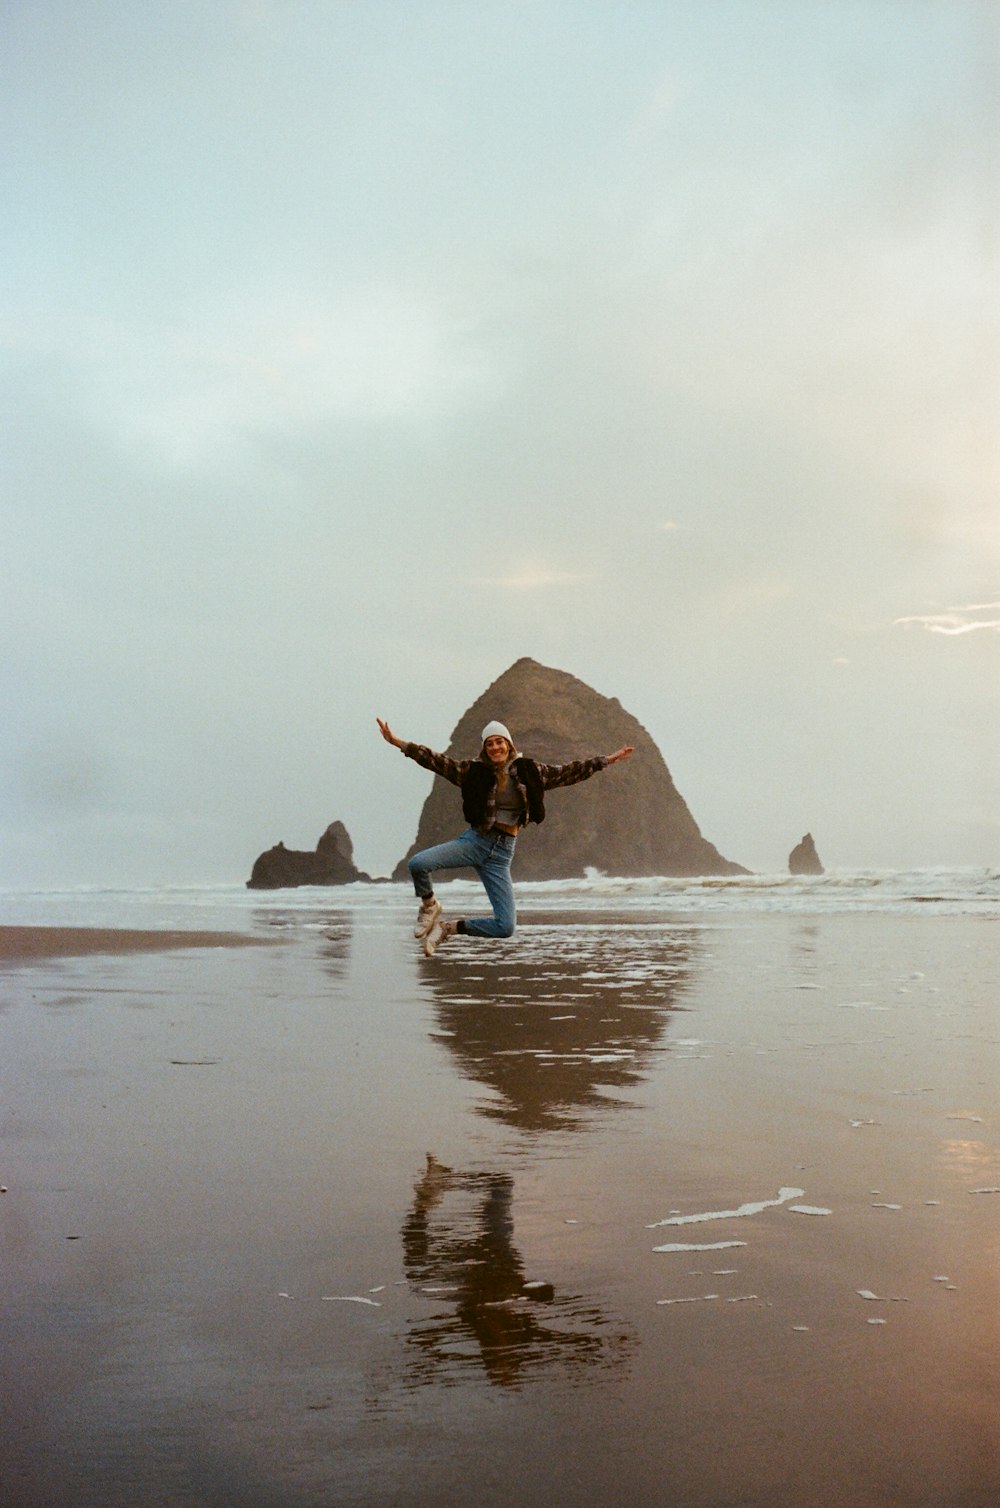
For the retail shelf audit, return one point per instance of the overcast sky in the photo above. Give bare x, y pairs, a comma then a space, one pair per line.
352, 350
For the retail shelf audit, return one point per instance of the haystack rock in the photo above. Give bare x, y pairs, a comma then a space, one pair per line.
332, 863
627, 820
804, 859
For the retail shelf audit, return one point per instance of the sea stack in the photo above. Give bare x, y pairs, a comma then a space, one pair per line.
804, 859
628, 820
331, 863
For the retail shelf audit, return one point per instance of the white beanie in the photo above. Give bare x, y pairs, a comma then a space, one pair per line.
497, 730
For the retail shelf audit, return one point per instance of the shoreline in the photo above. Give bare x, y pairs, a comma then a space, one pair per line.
35, 944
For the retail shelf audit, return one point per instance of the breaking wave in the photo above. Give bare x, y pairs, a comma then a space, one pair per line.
918, 892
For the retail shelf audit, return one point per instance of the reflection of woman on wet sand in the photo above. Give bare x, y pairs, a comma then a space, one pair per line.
502, 791
458, 1240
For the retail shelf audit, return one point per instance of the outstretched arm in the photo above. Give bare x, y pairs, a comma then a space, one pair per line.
554, 775
440, 764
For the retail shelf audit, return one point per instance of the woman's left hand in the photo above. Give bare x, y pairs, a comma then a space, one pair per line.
620, 754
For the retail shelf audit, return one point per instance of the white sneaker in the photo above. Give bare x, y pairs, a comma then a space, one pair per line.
426, 917
440, 931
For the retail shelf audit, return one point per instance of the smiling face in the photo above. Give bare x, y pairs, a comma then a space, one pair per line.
497, 749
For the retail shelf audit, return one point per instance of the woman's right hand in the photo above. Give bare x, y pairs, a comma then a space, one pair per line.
388, 734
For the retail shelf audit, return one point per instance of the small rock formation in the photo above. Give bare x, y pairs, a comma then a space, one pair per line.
628, 820
332, 863
804, 859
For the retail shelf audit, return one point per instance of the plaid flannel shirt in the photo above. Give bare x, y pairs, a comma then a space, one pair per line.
551, 775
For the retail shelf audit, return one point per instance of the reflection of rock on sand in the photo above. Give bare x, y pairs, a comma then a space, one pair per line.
459, 1238
567, 1013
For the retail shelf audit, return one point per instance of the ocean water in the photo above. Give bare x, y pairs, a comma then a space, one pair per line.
926, 892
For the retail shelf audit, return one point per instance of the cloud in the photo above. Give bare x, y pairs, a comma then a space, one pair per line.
956, 620
269, 358
532, 580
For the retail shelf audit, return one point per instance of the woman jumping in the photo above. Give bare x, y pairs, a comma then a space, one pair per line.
502, 791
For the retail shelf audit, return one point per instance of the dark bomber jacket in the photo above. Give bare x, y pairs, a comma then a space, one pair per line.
478, 782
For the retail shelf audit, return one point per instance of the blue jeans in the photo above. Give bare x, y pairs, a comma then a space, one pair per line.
489, 854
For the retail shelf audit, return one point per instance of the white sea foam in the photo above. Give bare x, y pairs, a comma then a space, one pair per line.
694, 1246
702, 1298
927, 892
753, 1208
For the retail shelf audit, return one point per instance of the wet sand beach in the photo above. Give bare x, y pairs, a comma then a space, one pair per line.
21, 944
272, 1215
